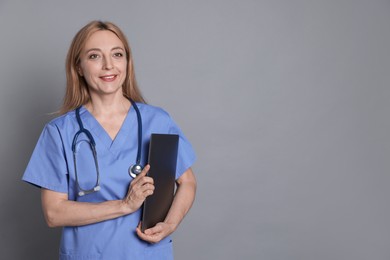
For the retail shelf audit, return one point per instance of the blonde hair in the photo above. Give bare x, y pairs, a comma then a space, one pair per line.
76, 87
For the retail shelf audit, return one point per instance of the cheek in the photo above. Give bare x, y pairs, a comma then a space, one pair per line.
87, 75
89, 78
89, 67
122, 67
89, 71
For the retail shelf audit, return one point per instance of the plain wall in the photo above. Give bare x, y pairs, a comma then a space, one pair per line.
286, 104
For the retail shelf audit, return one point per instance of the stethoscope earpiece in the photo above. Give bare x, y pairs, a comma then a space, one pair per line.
134, 170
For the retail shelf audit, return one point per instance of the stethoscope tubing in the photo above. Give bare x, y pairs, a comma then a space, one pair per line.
134, 170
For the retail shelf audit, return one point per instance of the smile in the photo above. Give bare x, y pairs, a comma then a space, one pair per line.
109, 78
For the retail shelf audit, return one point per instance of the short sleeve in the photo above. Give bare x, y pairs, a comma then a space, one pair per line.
186, 154
47, 167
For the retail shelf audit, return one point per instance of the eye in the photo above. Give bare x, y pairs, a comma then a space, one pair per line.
93, 56
118, 54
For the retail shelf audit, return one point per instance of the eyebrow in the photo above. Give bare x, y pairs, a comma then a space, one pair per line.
97, 49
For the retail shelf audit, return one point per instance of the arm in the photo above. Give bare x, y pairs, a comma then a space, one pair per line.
184, 198
59, 211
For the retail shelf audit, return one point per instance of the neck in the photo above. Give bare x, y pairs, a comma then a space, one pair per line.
108, 105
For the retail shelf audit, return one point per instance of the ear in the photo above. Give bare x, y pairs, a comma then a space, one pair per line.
79, 71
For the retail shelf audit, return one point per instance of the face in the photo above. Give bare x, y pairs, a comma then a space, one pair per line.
103, 63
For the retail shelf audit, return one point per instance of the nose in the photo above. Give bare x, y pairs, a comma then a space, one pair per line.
107, 63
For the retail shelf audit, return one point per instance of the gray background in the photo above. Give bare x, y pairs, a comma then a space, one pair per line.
286, 103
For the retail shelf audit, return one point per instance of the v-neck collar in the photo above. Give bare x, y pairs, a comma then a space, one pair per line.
97, 129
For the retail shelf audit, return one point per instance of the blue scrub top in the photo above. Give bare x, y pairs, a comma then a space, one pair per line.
51, 167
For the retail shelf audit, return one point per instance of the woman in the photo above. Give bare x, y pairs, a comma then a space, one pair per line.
101, 216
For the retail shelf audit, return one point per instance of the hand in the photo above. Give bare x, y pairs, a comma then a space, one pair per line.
140, 188
156, 233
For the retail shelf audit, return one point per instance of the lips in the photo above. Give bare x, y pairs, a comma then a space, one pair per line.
108, 78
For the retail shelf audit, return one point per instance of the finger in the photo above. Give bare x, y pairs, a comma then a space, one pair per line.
143, 236
139, 233
142, 185
145, 170
147, 186
140, 177
154, 230
142, 190
138, 229
146, 181
145, 177
152, 237
147, 193
149, 238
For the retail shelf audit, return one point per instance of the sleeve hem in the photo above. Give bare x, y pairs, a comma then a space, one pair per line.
45, 185
188, 165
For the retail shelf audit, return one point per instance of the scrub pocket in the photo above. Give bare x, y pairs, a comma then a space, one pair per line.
160, 251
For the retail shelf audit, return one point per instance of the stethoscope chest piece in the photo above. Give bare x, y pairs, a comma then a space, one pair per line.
134, 170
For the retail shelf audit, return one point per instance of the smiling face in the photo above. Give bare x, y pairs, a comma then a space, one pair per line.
103, 63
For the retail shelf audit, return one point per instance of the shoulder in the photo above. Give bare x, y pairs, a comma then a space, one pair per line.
156, 118
153, 111
62, 121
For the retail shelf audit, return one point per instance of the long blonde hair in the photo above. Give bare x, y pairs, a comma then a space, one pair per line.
76, 87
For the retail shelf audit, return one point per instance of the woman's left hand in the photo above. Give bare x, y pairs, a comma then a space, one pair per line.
156, 233
184, 197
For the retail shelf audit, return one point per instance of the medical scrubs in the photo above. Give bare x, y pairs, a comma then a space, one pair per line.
52, 167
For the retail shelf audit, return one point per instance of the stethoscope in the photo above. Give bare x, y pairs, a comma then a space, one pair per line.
134, 169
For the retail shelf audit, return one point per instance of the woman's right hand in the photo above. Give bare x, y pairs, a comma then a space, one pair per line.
140, 188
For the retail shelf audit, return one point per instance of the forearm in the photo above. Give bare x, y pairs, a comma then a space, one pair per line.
64, 212
184, 198
59, 211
